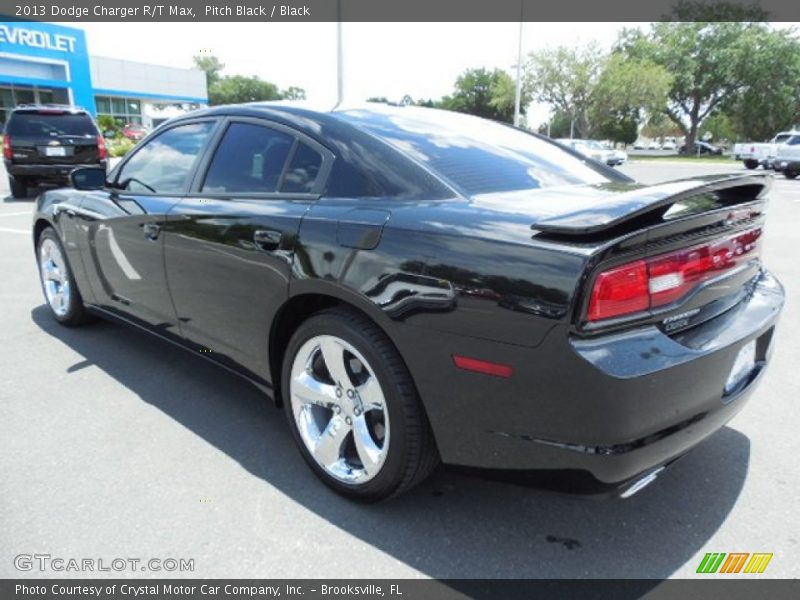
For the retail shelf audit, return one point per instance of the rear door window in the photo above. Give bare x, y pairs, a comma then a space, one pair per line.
249, 159
303, 170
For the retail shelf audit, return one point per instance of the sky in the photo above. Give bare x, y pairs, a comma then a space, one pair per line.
381, 59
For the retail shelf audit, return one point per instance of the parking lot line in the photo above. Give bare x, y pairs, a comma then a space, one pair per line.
14, 214
10, 230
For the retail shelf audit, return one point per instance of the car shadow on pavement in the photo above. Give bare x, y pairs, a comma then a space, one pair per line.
454, 525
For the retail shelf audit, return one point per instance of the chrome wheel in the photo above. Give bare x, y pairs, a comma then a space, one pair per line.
339, 409
55, 278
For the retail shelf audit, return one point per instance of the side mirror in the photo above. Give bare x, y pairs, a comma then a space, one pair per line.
88, 178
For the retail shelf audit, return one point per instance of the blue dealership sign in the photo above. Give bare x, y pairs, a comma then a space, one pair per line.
46, 55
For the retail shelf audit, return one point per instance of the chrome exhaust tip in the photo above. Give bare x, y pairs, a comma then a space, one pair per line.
641, 483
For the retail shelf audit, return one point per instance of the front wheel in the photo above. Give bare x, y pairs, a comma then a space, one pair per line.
58, 283
353, 409
790, 173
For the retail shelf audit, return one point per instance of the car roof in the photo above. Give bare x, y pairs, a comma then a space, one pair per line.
33, 109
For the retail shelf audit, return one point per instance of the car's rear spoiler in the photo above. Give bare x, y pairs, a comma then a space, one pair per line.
654, 201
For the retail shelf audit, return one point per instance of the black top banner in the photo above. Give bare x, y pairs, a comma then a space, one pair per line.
402, 10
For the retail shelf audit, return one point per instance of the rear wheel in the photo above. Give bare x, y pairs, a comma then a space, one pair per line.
751, 164
790, 174
58, 283
19, 188
353, 409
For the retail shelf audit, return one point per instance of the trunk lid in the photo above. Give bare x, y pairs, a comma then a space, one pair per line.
693, 247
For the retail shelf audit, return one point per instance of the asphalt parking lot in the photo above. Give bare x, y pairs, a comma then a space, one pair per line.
113, 444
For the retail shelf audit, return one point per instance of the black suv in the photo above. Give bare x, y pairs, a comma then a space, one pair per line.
43, 143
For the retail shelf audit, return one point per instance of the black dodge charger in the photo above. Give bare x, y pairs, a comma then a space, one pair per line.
416, 286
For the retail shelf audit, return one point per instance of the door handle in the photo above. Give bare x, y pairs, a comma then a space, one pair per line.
151, 231
267, 239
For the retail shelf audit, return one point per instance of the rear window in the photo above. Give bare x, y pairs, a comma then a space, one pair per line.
476, 155
50, 124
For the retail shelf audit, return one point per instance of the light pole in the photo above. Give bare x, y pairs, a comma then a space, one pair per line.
518, 93
339, 56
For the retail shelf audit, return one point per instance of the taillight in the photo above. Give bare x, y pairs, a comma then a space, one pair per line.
102, 152
7, 152
619, 291
664, 279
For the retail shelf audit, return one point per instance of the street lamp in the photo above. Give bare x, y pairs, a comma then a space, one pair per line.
518, 93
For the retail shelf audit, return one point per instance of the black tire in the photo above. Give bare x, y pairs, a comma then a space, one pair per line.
412, 455
18, 187
751, 164
790, 174
76, 313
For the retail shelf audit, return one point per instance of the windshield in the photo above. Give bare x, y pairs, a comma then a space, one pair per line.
475, 155
46, 125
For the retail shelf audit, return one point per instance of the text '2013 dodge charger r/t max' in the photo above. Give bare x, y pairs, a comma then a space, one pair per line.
416, 286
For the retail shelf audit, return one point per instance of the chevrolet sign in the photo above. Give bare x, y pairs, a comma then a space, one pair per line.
20, 36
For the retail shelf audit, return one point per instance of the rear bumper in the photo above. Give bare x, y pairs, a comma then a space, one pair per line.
49, 172
605, 410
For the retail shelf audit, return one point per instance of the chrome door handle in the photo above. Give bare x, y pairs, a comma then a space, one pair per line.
267, 239
151, 231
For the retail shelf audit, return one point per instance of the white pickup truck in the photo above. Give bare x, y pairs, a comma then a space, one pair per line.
787, 160
755, 154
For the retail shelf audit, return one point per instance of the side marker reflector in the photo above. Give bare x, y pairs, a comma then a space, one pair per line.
482, 366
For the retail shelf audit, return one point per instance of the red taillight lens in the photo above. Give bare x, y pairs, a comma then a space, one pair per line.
619, 291
7, 152
664, 279
102, 152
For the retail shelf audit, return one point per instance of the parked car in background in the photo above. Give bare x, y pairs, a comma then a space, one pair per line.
412, 285
593, 149
42, 143
669, 145
617, 156
754, 154
581, 147
787, 159
702, 148
134, 131
654, 145
639, 145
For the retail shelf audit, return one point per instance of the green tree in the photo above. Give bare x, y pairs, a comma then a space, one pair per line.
626, 89
484, 93
560, 124
293, 93
565, 78
211, 65
718, 128
707, 59
235, 89
601, 94
771, 100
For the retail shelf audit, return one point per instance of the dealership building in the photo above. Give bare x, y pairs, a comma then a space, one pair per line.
46, 63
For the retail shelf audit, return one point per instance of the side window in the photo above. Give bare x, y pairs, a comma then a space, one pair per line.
250, 158
302, 171
794, 141
163, 164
